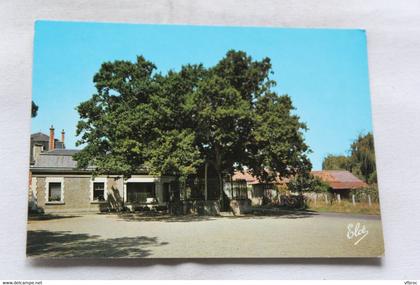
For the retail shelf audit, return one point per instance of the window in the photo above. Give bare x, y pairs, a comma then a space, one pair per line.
140, 192
98, 191
54, 192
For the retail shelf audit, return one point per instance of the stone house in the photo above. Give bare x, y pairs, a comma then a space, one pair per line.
56, 185
259, 192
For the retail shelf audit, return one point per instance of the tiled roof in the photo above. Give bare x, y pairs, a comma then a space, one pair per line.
61, 160
58, 158
245, 176
339, 179
59, 151
39, 137
250, 179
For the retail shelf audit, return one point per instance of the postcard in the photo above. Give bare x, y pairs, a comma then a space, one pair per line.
180, 141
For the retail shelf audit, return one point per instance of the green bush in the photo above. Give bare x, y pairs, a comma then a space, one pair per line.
361, 195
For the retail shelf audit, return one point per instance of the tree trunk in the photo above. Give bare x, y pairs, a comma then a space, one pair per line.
205, 182
218, 166
231, 187
222, 204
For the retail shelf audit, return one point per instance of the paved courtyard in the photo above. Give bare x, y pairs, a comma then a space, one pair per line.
302, 234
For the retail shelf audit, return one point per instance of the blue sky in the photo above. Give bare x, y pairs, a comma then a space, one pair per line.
324, 71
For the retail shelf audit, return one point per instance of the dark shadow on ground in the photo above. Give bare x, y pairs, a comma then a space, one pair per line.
260, 263
157, 217
283, 214
63, 244
44, 217
141, 217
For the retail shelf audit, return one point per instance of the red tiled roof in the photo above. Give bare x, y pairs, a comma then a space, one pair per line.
245, 176
252, 179
339, 179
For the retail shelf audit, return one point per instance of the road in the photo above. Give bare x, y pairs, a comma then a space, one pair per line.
287, 235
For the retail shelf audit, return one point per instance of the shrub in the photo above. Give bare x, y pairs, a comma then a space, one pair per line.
307, 183
361, 194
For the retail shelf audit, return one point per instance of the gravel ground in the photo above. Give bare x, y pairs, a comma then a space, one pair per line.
284, 235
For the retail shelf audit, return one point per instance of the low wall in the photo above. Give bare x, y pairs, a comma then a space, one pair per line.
204, 208
240, 206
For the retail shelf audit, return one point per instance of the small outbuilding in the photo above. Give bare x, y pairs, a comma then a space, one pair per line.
340, 181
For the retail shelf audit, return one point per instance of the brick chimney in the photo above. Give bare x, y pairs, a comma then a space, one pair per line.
51, 142
62, 136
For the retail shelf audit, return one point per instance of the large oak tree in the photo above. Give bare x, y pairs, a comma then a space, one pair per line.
227, 116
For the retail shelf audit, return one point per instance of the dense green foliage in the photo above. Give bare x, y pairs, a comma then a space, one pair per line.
336, 162
307, 182
34, 109
361, 195
362, 158
171, 124
361, 161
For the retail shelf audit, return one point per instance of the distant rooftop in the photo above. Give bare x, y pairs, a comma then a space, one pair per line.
336, 179
250, 179
57, 159
339, 179
40, 137
59, 151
